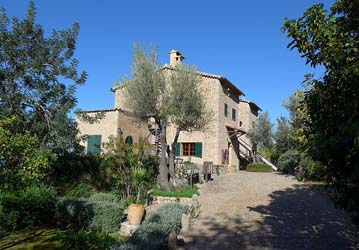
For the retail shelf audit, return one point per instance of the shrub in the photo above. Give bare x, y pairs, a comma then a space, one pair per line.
309, 169
80, 190
289, 160
108, 197
99, 216
34, 206
154, 231
82, 240
258, 167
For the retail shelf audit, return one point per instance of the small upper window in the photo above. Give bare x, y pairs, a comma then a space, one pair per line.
234, 114
225, 110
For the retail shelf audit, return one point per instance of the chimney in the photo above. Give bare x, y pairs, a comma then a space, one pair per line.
175, 57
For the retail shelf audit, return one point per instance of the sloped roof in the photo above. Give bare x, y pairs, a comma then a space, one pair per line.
250, 103
222, 79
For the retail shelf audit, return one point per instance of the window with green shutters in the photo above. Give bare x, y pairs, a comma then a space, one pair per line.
94, 144
225, 109
189, 149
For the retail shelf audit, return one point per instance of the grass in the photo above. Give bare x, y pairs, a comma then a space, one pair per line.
56, 239
178, 192
39, 239
259, 167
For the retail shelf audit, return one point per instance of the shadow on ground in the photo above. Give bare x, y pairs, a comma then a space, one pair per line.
294, 219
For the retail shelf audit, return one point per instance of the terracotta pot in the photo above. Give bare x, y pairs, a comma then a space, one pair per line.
135, 213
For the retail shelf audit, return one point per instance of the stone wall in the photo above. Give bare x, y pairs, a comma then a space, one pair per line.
106, 127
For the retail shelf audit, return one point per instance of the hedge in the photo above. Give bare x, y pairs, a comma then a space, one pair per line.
101, 216
34, 206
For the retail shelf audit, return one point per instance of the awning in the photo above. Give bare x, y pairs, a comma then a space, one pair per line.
234, 131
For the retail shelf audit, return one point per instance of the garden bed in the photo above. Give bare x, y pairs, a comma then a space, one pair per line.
180, 192
259, 167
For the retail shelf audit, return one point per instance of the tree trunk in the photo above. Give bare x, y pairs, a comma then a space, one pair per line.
163, 175
174, 181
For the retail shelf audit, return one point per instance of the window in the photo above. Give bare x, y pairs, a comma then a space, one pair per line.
253, 124
94, 144
189, 149
225, 110
234, 114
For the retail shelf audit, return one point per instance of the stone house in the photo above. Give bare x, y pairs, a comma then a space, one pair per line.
225, 142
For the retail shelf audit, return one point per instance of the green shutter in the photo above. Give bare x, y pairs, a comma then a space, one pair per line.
129, 140
198, 149
233, 114
178, 149
94, 144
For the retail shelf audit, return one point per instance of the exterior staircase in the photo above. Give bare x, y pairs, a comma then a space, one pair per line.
156, 132
257, 155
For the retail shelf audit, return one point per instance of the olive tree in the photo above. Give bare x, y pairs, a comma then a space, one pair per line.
169, 98
187, 107
146, 97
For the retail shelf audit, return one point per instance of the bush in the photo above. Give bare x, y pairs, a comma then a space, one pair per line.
258, 167
99, 216
289, 160
80, 190
108, 197
309, 169
153, 233
82, 240
34, 206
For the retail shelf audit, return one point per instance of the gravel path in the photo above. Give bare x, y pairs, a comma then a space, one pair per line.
267, 211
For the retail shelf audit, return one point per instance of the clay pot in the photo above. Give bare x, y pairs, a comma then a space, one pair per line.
135, 213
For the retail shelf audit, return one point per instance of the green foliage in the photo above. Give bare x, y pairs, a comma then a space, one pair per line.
84, 240
153, 233
80, 190
22, 162
72, 170
99, 216
49, 238
289, 160
34, 206
132, 171
309, 169
258, 167
282, 138
107, 197
39, 77
184, 191
331, 38
261, 134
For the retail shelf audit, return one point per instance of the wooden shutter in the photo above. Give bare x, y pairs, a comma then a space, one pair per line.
129, 140
198, 149
178, 149
94, 144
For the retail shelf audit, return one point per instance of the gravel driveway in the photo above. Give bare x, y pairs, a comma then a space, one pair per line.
267, 211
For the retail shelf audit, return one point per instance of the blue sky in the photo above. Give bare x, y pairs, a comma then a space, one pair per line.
241, 40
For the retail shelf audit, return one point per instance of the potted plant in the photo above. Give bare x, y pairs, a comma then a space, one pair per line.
136, 210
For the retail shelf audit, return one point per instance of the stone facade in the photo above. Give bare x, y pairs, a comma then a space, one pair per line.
219, 142
114, 123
